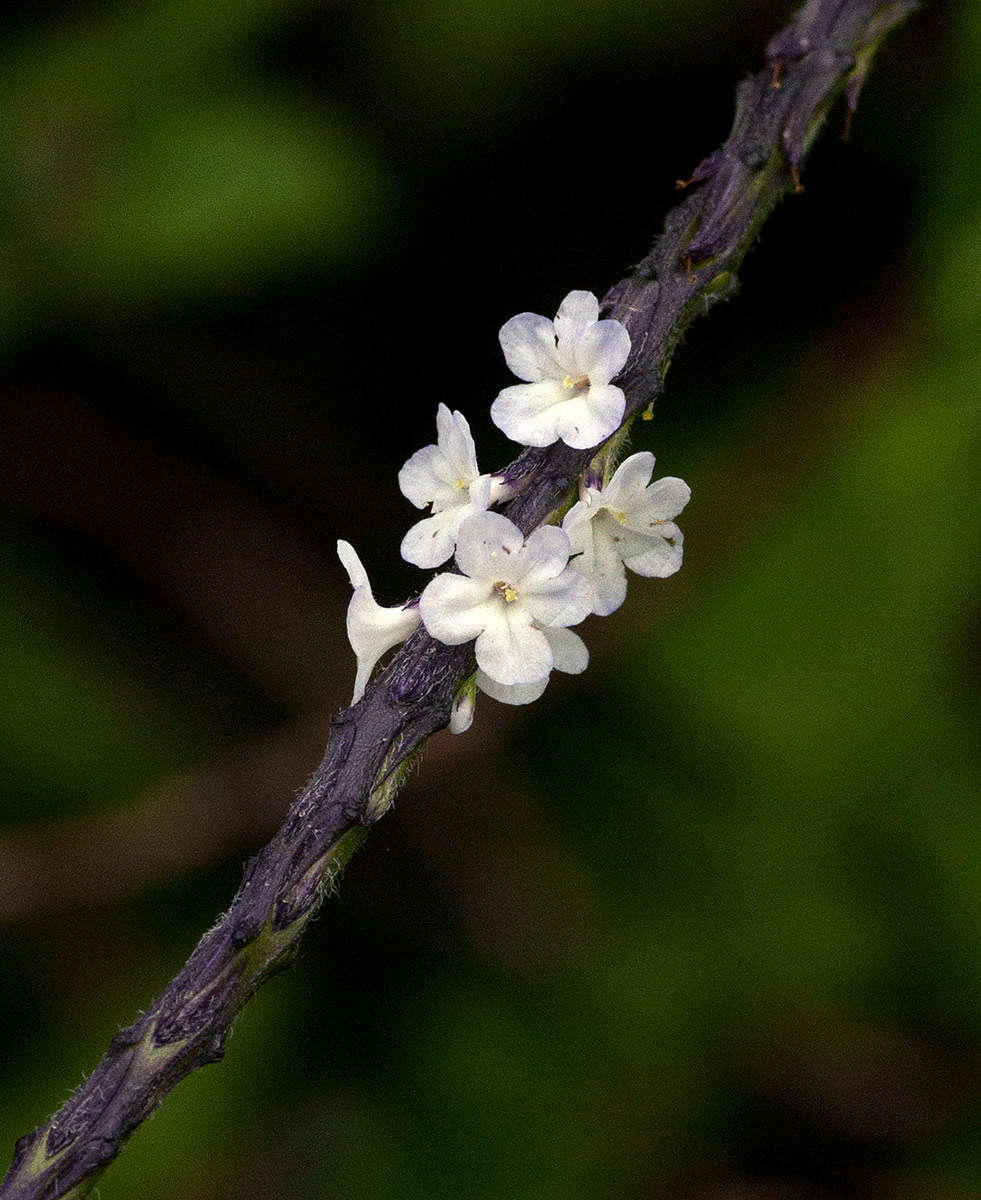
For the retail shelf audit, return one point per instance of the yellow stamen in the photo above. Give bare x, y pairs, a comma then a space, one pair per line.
458, 484
621, 517
505, 590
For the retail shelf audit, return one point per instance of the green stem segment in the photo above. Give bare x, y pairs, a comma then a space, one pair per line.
827, 49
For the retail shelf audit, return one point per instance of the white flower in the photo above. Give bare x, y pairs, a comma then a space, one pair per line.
445, 475
371, 629
628, 523
569, 364
510, 591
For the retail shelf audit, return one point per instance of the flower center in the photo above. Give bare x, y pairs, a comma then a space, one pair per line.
505, 590
458, 484
576, 384
620, 516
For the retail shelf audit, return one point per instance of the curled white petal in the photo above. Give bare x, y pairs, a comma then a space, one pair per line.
371, 629
353, 565
421, 478
455, 441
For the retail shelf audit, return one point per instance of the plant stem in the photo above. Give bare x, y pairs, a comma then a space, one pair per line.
826, 50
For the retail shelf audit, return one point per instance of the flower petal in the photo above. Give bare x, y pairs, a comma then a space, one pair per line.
576, 524
430, 542
456, 444
511, 649
511, 693
527, 412
576, 313
424, 477
602, 565
565, 600
544, 555
372, 631
629, 480
602, 350
665, 498
662, 558
352, 564
528, 342
486, 544
455, 609
569, 651
589, 419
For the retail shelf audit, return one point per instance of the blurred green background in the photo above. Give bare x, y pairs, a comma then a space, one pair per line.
702, 923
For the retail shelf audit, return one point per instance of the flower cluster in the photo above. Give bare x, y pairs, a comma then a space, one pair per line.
515, 597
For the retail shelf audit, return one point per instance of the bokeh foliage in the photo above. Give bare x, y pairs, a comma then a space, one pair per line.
704, 922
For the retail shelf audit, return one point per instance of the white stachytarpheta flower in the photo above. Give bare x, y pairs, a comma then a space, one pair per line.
510, 592
445, 476
628, 523
371, 629
568, 364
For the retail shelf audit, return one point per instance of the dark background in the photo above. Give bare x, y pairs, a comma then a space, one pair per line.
703, 922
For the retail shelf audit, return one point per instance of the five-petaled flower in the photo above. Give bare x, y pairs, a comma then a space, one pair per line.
568, 364
628, 523
371, 629
510, 592
445, 476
